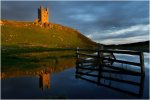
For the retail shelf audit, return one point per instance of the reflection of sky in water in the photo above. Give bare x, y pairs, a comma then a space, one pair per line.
146, 58
134, 58
65, 85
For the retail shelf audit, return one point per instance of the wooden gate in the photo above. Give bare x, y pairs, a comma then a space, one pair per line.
101, 64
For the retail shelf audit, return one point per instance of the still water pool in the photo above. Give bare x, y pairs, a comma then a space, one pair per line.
44, 84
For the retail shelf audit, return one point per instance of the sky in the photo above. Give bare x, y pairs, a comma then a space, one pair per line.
107, 22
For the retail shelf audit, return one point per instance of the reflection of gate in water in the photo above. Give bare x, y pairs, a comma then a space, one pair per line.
102, 67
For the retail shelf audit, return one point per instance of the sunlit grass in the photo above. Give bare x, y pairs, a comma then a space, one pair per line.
26, 46
27, 34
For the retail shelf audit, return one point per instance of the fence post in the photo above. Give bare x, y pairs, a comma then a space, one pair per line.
77, 52
142, 62
141, 89
77, 63
100, 62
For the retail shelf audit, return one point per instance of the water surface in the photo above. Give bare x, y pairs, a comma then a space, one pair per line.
60, 82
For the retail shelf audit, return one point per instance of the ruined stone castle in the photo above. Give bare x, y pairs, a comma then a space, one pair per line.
42, 16
43, 21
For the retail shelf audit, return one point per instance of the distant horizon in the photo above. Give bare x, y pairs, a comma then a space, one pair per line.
110, 22
129, 43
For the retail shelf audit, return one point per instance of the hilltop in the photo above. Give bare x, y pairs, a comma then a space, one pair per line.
51, 36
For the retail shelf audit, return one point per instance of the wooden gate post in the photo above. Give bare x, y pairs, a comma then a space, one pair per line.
100, 62
141, 89
142, 63
77, 52
77, 63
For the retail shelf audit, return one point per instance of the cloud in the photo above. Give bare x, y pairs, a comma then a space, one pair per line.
84, 17
125, 40
134, 33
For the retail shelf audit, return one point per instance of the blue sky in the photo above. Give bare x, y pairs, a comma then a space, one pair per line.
108, 22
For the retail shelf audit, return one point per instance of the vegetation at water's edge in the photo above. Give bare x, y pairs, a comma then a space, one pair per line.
15, 58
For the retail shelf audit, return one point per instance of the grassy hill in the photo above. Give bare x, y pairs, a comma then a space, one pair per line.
52, 36
27, 46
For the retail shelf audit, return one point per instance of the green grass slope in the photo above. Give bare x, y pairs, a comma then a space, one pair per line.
52, 36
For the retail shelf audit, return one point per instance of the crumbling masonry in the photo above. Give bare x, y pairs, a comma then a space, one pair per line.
42, 16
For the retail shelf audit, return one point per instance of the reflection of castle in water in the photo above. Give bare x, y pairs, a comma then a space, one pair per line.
44, 80
43, 75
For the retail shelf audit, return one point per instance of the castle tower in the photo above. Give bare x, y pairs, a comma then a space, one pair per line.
43, 15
